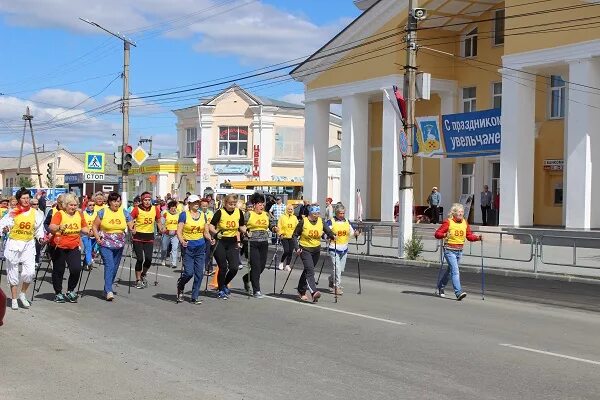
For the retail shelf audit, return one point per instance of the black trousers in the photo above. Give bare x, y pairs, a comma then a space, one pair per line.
435, 214
62, 258
143, 255
38, 251
227, 255
307, 279
485, 210
258, 262
288, 251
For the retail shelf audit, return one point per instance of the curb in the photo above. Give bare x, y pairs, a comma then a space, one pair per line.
477, 269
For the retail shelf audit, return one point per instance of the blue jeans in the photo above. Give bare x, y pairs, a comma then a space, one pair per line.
452, 259
193, 266
166, 240
111, 259
88, 246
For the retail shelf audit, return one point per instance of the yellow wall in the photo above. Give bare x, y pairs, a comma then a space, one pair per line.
375, 141
563, 27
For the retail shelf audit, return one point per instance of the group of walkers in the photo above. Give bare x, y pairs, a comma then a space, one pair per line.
102, 226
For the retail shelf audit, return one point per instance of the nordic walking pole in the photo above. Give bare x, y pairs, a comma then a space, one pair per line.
275, 268
441, 264
153, 257
358, 266
120, 267
248, 234
290, 273
86, 282
482, 273
322, 265
130, 262
335, 279
212, 254
2, 269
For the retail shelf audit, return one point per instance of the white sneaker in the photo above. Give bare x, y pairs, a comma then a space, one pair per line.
163, 263
287, 268
280, 266
24, 301
14, 304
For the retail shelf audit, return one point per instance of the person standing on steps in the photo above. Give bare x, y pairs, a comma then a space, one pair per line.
434, 200
258, 226
307, 238
454, 231
67, 226
191, 232
24, 226
146, 217
229, 222
286, 225
486, 204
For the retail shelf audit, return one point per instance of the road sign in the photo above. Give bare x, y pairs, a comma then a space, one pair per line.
94, 162
90, 176
139, 155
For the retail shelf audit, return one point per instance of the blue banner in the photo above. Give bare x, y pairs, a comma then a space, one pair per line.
51, 193
472, 134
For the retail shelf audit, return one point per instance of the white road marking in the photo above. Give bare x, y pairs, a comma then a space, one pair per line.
312, 305
550, 354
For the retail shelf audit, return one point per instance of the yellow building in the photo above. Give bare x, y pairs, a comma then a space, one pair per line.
537, 61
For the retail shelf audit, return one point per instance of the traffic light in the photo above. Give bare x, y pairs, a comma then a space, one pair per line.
50, 174
127, 157
119, 157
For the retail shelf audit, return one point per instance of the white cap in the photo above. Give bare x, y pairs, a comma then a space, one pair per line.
193, 198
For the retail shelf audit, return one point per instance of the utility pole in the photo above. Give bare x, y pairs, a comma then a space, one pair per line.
27, 117
405, 170
125, 106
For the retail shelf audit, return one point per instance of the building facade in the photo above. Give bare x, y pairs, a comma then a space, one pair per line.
522, 57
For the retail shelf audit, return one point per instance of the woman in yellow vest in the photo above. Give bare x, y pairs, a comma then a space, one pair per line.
191, 232
67, 225
24, 225
170, 220
258, 226
88, 240
226, 224
109, 230
99, 201
338, 248
454, 231
145, 216
285, 229
308, 234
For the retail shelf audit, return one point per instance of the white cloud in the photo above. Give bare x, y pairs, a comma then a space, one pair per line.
295, 98
256, 32
65, 98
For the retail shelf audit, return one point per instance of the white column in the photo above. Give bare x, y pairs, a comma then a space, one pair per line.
447, 184
517, 151
316, 140
207, 143
582, 191
389, 158
162, 186
355, 151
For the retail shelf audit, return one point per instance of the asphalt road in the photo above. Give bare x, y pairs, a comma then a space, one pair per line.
530, 339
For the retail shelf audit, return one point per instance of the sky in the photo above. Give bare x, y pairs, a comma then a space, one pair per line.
69, 73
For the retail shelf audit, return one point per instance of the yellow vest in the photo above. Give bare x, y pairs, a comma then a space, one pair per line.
3, 212
113, 222
89, 219
98, 208
311, 234
24, 227
194, 229
341, 230
179, 207
229, 224
171, 221
457, 232
258, 222
287, 225
144, 223
72, 223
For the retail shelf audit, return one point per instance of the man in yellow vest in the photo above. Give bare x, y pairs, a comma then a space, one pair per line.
454, 231
25, 225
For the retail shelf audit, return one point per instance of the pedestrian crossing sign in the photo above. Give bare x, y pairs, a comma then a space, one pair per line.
94, 162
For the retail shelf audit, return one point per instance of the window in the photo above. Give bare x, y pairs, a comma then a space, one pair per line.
558, 194
289, 143
339, 135
469, 99
497, 95
557, 97
191, 135
499, 27
495, 178
233, 140
471, 44
466, 171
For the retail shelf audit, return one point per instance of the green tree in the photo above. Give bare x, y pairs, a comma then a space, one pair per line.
25, 181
